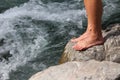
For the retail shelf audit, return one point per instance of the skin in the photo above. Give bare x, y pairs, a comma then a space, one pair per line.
93, 34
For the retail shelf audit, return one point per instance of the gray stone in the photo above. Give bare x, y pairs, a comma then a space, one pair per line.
69, 54
110, 51
100, 62
87, 70
113, 55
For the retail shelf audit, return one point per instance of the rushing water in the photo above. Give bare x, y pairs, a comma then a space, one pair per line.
33, 34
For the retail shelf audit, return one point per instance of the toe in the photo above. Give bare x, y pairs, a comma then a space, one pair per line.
73, 40
77, 47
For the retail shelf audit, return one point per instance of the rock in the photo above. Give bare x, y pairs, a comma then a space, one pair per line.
5, 55
1, 42
101, 62
86, 70
113, 55
70, 54
110, 51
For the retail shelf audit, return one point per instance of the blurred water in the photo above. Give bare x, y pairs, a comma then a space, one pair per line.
33, 35
6, 4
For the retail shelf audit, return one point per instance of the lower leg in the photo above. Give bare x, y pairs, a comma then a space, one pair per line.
93, 34
94, 12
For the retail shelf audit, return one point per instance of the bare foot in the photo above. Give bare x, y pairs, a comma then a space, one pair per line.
88, 42
83, 36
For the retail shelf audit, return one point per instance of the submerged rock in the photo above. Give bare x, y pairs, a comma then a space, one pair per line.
5, 55
1, 42
110, 51
87, 70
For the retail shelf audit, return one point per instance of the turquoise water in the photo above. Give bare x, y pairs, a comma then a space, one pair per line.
33, 33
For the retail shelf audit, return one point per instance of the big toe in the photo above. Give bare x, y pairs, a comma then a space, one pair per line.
77, 47
73, 40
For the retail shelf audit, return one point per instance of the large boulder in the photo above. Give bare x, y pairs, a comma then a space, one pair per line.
87, 70
101, 62
110, 51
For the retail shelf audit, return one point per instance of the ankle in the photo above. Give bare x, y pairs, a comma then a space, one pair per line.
96, 37
95, 27
96, 30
